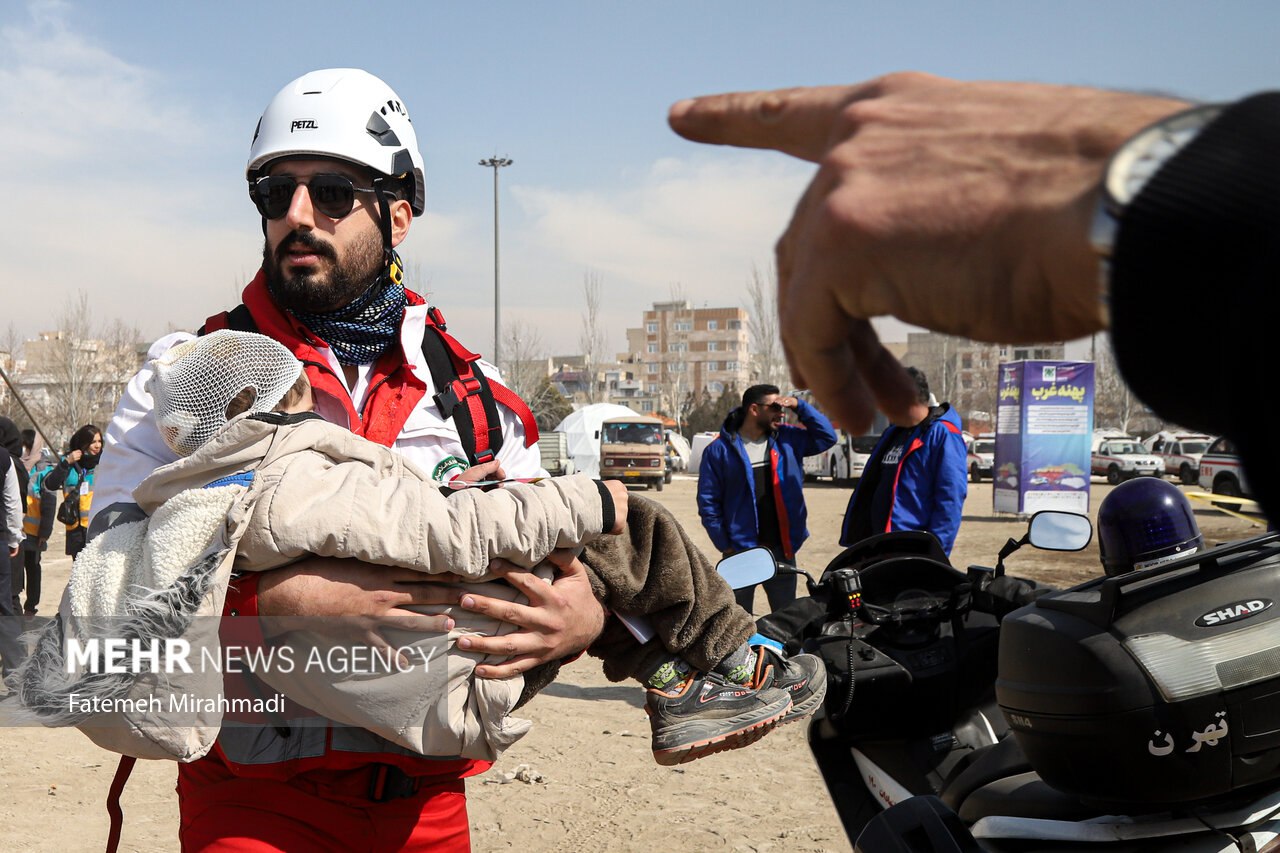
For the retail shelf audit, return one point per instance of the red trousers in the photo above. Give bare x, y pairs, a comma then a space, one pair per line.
321, 811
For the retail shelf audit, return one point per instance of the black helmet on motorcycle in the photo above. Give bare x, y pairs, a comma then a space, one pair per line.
1145, 522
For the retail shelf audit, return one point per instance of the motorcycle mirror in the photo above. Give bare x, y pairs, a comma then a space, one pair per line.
747, 568
1054, 530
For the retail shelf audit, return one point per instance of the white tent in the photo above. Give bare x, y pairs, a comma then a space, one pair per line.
583, 429
680, 445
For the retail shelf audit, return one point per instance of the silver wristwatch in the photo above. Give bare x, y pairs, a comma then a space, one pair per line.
1130, 168
1137, 161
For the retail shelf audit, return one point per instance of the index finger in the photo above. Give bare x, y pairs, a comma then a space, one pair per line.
794, 121
848, 370
534, 588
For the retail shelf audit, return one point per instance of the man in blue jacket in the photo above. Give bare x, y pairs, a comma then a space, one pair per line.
915, 478
751, 478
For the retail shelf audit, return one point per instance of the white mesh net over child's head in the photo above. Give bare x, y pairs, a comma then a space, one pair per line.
193, 383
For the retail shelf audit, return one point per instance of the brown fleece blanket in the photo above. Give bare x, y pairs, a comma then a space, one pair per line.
654, 569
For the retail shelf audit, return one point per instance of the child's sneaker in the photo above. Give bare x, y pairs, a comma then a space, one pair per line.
802, 677
705, 714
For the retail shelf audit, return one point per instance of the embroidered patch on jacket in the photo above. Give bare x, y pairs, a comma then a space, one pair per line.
448, 468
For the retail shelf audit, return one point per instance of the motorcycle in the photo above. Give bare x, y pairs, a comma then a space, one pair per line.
929, 666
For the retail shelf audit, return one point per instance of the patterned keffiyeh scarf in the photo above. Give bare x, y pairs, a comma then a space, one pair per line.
365, 328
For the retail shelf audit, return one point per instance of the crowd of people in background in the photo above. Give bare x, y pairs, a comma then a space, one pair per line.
39, 488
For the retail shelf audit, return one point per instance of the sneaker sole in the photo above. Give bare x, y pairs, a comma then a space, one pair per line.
808, 706
722, 742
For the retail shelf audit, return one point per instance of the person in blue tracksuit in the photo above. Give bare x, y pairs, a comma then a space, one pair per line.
915, 479
750, 482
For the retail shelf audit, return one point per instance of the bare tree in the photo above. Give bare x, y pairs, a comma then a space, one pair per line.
976, 400
524, 364
1114, 404
767, 360
84, 370
416, 280
676, 386
10, 348
527, 373
592, 338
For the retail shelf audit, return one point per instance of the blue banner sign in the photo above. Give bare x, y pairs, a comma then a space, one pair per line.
1044, 423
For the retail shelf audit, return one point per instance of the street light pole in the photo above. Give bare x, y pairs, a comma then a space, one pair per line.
496, 163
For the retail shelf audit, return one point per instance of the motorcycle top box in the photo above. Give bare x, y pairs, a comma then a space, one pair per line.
1156, 688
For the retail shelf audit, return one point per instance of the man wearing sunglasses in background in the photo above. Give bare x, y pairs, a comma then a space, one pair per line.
334, 170
750, 483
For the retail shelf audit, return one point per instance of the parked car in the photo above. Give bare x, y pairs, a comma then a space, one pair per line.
1120, 459
982, 456
1221, 471
1182, 457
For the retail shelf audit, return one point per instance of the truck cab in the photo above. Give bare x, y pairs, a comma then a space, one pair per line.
1221, 471
634, 450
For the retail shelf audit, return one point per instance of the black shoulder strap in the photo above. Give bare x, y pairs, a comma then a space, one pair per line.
457, 392
237, 319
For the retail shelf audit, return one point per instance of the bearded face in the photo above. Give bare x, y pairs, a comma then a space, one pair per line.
305, 273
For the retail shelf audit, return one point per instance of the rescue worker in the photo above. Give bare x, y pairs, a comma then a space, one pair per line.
335, 172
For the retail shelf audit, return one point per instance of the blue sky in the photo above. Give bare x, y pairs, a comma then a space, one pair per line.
124, 128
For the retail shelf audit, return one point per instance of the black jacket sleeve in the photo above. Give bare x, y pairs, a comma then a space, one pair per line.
55, 479
1196, 252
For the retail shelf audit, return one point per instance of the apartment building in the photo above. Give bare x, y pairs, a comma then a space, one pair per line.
679, 350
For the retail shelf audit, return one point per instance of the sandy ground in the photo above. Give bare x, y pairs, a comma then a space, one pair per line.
600, 789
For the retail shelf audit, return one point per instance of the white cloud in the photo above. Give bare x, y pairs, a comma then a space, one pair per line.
694, 225
701, 223
139, 258
64, 100
108, 189
110, 197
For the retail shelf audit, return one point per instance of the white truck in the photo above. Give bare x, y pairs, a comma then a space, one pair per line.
1221, 471
1181, 455
1123, 457
553, 447
981, 456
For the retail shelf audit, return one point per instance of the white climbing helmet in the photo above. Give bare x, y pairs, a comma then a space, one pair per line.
344, 113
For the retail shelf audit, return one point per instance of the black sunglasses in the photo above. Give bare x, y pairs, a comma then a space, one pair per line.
774, 407
332, 195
